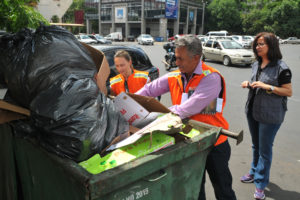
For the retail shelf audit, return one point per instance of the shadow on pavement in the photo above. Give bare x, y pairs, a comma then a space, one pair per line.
275, 192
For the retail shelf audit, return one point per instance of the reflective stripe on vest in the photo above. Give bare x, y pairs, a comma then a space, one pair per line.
115, 80
141, 75
135, 82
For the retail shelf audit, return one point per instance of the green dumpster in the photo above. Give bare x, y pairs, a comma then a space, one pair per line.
170, 174
8, 177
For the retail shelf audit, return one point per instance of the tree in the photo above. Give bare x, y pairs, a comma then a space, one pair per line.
54, 19
280, 17
18, 14
69, 16
285, 18
224, 15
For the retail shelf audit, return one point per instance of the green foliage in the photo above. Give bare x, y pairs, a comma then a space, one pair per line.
54, 19
69, 16
18, 14
286, 18
281, 17
225, 15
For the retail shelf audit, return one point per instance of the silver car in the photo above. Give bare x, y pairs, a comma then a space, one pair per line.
227, 51
291, 40
145, 39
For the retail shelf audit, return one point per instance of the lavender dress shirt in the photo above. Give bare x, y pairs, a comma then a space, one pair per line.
208, 90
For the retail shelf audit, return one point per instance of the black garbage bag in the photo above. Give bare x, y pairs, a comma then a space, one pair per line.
52, 74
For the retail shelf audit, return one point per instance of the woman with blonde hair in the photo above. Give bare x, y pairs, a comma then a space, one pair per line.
128, 79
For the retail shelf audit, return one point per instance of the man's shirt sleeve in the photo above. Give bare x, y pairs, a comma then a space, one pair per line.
155, 88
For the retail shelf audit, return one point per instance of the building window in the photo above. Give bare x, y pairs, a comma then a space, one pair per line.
155, 8
183, 13
106, 12
134, 12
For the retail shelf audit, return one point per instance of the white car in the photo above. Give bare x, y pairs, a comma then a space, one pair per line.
86, 39
203, 38
145, 39
228, 52
100, 39
245, 41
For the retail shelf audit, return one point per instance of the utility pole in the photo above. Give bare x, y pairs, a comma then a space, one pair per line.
203, 10
99, 17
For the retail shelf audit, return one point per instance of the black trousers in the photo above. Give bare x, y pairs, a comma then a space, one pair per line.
219, 173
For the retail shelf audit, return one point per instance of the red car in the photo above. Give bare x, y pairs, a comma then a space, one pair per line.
170, 39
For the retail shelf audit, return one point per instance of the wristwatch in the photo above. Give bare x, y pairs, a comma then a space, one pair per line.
271, 88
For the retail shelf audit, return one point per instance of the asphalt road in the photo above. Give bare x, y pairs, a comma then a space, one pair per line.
285, 172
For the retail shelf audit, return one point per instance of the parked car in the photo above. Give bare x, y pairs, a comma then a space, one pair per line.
245, 41
217, 33
100, 39
170, 39
86, 39
203, 39
115, 36
131, 38
140, 60
291, 40
228, 52
145, 39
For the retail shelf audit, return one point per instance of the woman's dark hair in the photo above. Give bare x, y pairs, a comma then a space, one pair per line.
274, 53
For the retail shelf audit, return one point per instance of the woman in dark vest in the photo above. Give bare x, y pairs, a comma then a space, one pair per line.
269, 87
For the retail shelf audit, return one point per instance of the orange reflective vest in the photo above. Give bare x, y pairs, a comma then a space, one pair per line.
135, 81
176, 90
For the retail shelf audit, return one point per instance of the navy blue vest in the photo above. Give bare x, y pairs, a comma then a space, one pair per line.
267, 107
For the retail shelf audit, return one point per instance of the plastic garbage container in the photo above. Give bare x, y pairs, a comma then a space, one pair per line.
159, 39
174, 173
8, 189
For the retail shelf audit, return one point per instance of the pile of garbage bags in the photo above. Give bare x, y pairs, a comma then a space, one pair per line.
49, 72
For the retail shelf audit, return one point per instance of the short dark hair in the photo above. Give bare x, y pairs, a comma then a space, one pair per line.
192, 44
271, 40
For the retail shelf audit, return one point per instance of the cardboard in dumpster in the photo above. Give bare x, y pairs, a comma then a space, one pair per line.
10, 112
143, 146
167, 124
135, 108
102, 65
132, 111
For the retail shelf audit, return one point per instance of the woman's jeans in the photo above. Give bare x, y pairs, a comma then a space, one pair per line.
262, 142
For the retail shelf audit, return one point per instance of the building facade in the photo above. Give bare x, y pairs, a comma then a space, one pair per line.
50, 8
159, 18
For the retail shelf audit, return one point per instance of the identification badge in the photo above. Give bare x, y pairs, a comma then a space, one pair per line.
184, 97
219, 105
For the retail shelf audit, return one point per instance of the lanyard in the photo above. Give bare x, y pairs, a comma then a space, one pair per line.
126, 86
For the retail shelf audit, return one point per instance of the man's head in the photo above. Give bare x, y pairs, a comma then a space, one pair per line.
188, 53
